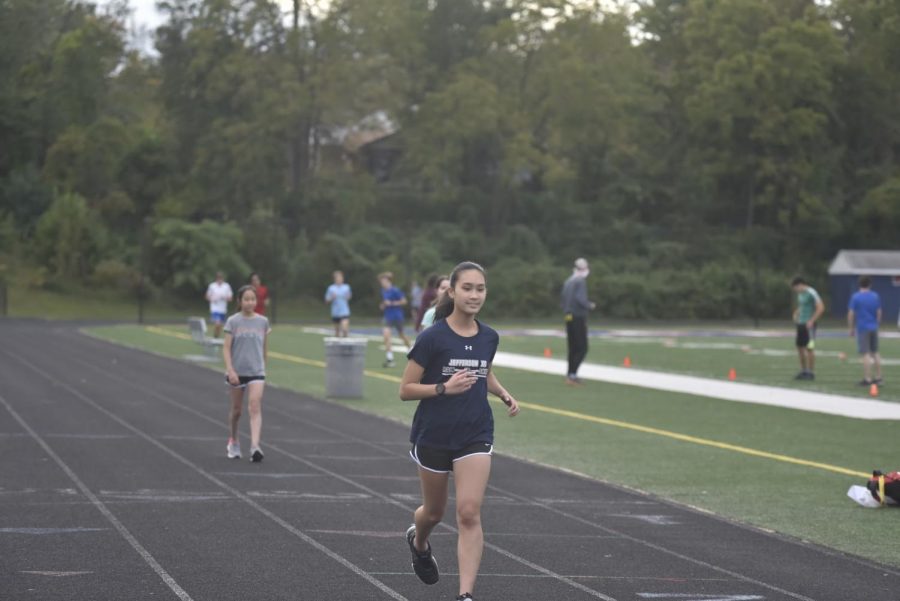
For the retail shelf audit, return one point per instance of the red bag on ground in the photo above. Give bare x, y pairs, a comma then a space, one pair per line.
885, 487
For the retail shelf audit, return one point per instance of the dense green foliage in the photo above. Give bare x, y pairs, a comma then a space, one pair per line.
698, 152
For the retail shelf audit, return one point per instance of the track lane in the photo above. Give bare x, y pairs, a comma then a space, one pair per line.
310, 427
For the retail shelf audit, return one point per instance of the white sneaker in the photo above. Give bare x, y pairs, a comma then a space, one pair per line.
256, 455
233, 449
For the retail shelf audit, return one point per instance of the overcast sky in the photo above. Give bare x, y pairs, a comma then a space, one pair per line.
145, 19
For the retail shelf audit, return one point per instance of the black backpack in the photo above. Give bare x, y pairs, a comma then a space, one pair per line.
885, 487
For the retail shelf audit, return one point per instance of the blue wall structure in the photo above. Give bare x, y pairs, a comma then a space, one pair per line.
843, 286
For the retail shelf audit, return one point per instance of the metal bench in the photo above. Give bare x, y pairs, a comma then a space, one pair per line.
211, 346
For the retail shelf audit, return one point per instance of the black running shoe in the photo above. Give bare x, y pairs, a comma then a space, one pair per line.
256, 455
800, 376
465, 597
865, 382
423, 563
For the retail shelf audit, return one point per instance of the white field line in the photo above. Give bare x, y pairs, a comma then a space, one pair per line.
815, 402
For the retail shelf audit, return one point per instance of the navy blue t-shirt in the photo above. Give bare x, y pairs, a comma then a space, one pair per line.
394, 312
454, 421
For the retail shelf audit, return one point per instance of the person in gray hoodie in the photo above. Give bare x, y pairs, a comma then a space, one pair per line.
575, 305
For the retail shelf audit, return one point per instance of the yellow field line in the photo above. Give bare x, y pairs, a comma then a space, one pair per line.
295, 359
274, 354
590, 418
315, 363
165, 332
693, 439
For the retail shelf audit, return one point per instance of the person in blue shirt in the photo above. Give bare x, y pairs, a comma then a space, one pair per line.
863, 317
449, 373
339, 295
392, 302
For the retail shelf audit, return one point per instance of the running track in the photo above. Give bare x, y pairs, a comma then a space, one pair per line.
114, 485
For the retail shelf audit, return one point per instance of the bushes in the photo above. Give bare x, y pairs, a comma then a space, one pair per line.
334, 252
185, 256
712, 291
665, 281
518, 288
68, 237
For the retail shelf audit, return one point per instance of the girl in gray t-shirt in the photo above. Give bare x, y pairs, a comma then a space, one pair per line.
246, 339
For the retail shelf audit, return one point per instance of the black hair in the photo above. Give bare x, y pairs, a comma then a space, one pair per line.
444, 305
865, 281
242, 290
797, 280
437, 284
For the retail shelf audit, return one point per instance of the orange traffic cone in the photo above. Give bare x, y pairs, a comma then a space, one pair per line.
732, 375
548, 352
627, 361
873, 389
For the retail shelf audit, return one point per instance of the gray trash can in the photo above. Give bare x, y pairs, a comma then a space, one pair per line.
345, 361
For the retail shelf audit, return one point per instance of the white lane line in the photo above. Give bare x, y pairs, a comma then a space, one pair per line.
395, 534
700, 597
656, 520
137, 546
758, 394
536, 567
617, 502
380, 477
815, 402
615, 533
665, 550
612, 532
89, 436
309, 496
275, 518
267, 475
533, 502
43, 531
55, 574
164, 496
355, 457
578, 576
33, 491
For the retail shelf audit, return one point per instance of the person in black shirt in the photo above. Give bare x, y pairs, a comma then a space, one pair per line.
449, 373
576, 306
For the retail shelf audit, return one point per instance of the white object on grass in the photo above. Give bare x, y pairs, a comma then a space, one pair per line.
861, 495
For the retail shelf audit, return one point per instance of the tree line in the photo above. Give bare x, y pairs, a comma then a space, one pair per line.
698, 152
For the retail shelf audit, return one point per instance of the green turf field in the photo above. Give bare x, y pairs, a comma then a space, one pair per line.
91, 303
766, 360
626, 435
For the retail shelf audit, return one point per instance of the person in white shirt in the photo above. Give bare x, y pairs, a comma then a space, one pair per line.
219, 295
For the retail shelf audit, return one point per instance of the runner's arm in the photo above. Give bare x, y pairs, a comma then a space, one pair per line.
226, 355
412, 389
820, 309
494, 387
